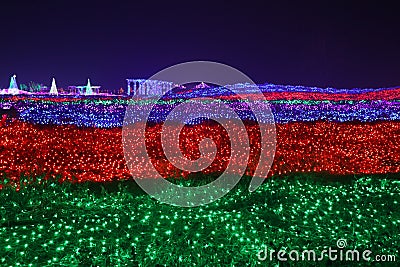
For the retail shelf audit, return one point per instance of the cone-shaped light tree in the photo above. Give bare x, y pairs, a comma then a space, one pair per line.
53, 89
13, 82
89, 90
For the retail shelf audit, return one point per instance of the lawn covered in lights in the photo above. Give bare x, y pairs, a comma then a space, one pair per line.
92, 224
68, 198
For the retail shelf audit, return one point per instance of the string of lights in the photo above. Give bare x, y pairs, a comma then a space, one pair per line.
92, 154
62, 141
56, 224
110, 114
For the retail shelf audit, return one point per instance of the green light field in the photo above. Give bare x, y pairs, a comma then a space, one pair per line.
115, 224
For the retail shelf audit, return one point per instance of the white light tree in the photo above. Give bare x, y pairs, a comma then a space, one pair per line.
89, 90
53, 89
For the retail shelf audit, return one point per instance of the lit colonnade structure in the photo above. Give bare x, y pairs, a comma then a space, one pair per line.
144, 87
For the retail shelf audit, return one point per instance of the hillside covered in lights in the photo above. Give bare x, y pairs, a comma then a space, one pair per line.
69, 198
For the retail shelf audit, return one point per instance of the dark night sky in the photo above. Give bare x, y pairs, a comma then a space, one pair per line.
318, 44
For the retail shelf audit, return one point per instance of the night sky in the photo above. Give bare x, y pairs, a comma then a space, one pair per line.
318, 44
